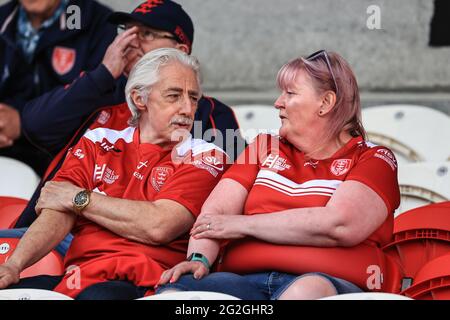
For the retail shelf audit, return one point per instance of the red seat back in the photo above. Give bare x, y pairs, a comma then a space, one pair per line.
420, 235
432, 281
10, 210
51, 264
393, 276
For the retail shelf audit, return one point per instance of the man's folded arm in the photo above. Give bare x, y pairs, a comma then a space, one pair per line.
48, 230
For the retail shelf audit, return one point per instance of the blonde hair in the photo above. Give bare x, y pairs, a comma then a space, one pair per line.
346, 113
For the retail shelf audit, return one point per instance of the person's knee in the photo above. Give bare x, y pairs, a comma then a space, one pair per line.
309, 287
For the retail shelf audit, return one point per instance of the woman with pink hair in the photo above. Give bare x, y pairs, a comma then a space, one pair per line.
302, 215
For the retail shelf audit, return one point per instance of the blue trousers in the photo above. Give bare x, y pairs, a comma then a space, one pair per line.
254, 286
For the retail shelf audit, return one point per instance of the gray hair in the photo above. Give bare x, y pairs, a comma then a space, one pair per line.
146, 71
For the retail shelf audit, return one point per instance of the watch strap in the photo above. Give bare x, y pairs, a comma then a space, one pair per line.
199, 257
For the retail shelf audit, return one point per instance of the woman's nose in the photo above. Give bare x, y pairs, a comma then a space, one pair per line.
279, 103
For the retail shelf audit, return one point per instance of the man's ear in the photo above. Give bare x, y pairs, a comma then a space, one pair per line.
328, 102
182, 47
138, 99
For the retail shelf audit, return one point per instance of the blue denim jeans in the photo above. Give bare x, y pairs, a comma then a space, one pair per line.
255, 286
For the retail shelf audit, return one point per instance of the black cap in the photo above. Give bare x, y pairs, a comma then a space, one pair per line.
163, 15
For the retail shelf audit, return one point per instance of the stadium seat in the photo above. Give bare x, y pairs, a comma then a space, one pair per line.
255, 119
18, 180
191, 295
420, 235
393, 276
31, 294
414, 133
432, 281
10, 210
367, 296
423, 183
51, 264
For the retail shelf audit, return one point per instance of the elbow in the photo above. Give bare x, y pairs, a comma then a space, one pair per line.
157, 236
342, 231
345, 236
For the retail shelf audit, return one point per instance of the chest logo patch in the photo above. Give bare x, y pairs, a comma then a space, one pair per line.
110, 176
340, 167
159, 176
63, 60
274, 161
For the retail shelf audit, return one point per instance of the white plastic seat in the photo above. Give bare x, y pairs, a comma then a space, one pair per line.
256, 119
191, 295
413, 133
17, 179
423, 183
367, 296
31, 294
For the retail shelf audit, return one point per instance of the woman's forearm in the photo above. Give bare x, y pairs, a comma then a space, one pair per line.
208, 247
305, 226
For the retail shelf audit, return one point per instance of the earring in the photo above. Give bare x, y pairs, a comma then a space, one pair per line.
320, 112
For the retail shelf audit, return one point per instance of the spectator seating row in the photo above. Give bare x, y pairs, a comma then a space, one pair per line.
421, 248
419, 255
418, 260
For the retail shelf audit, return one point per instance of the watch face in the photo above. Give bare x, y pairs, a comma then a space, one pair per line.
80, 198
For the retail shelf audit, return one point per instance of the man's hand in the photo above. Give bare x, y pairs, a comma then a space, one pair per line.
9, 125
57, 196
122, 51
9, 274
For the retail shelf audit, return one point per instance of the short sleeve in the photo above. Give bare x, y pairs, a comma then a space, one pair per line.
246, 167
192, 182
377, 168
78, 165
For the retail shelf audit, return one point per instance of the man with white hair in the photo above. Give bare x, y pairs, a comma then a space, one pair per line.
130, 196
56, 120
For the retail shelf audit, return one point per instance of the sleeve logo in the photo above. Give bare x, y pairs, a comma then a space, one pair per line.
103, 117
388, 157
213, 162
79, 154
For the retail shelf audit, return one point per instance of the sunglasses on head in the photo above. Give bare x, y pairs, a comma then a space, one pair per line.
327, 60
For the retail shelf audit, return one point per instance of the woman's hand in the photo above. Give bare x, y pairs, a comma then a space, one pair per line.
220, 227
57, 196
172, 275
